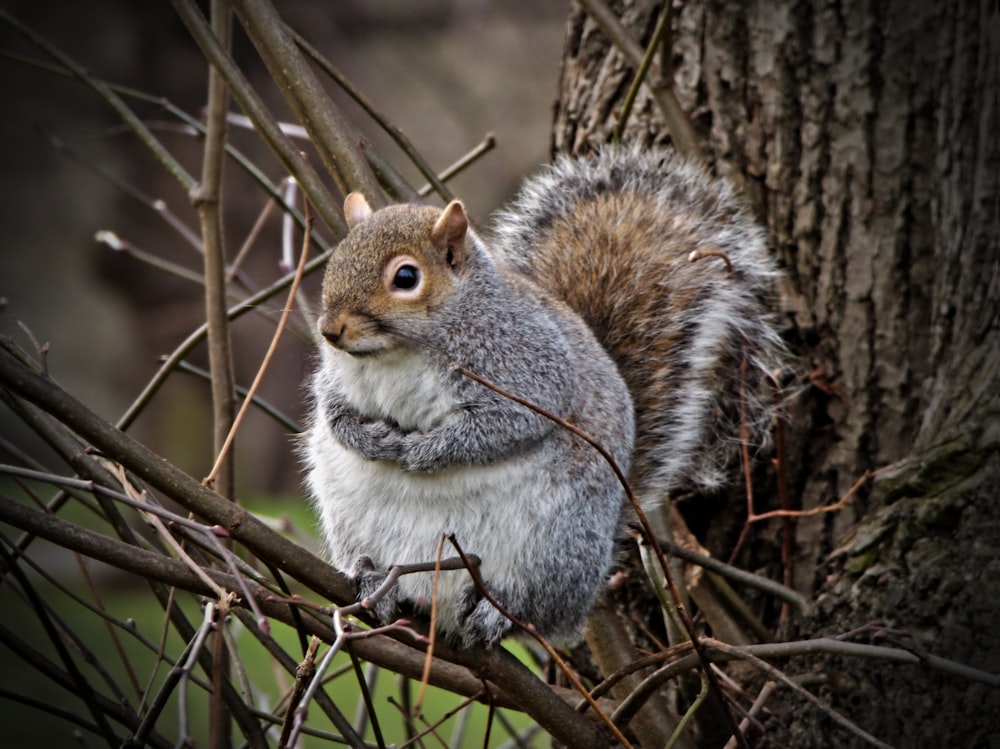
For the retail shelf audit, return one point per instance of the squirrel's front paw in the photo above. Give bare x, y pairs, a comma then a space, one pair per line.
383, 604
375, 440
382, 441
417, 455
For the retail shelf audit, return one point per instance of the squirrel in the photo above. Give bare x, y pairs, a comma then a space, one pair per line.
583, 301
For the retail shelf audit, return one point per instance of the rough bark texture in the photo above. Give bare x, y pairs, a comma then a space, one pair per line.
866, 135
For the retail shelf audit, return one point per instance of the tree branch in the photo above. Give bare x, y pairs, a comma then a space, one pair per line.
331, 135
681, 133
320, 198
397, 135
207, 198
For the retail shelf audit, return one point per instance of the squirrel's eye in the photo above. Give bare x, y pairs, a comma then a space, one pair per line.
403, 277
406, 277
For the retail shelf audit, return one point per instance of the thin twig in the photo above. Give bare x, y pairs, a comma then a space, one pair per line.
254, 233
784, 500
758, 705
779, 591
228, 557
640, 74
228, 442
112, 631
116, 243
184, 556
744, 459
236, 662
303, 675
184, 737
287, 244
364, 710
689, 713
485, 146
365, 688
298, 715
432, 632
448, 715
835, 507
398, 570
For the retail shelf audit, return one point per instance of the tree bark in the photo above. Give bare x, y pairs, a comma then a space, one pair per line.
866, 137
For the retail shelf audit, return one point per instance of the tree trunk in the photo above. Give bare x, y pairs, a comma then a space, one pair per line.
866, 136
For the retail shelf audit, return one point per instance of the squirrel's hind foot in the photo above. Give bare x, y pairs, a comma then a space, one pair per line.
483, 624
384, 604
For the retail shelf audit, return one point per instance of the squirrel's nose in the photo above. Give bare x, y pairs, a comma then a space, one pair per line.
332, 328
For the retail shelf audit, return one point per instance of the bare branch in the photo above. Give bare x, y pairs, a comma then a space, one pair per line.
265, 123
207, 198
681, 133
227, 442
331, 134
366, 104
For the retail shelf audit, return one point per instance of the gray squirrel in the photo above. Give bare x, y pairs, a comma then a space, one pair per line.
584, 301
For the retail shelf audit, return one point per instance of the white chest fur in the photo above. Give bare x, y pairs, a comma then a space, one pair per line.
373, 508
408, 387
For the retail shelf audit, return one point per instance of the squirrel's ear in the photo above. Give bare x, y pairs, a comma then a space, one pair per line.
449, 233
356, 209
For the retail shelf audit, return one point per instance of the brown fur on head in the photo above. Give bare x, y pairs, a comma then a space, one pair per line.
386, 275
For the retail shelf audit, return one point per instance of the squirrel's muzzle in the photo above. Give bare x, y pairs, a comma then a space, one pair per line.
350, 332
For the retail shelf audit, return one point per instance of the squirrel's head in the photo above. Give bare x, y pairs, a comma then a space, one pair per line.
394, 268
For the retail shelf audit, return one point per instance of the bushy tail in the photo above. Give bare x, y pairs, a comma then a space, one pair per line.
612, 236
